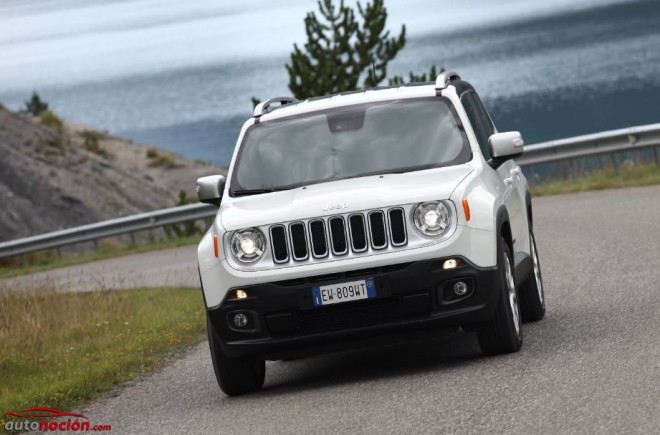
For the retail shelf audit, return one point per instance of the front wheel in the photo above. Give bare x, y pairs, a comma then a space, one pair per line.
503, 334
532, 298
235, 376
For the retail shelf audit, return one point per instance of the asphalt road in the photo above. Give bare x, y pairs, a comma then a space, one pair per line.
591, 366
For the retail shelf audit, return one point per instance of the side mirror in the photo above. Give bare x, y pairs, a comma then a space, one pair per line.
507, 145
210, 189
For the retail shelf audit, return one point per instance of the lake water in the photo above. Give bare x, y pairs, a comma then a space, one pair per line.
180, 74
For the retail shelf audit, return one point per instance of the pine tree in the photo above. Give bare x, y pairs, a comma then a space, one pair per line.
35, 106
398, 80
341, 49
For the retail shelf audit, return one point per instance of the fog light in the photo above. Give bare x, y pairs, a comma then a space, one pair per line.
460, 288
235, 295
450, 264
240, 320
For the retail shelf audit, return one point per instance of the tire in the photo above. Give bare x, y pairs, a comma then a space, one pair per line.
235, 376
532, 297
503, 334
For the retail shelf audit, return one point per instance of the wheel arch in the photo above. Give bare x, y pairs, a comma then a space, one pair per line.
503, 227
528, 207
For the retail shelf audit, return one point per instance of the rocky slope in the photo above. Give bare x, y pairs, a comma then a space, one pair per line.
55, 176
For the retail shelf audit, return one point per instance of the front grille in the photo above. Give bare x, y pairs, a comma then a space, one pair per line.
378, 232
397, 226
338, 235
319, 240
278, 239
298, 240
358, 233
354, 315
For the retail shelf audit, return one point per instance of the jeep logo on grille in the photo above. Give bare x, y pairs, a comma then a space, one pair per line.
335, 206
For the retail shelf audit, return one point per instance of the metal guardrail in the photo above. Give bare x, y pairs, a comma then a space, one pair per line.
109, 228
608, 142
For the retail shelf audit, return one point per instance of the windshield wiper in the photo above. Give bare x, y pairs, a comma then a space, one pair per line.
252, 191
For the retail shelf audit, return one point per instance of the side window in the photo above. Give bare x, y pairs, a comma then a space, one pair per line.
481, 123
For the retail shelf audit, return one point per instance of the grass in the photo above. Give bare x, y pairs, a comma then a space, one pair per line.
91, 142
42, 261
63, 349
49, 119
157, 159
627, 176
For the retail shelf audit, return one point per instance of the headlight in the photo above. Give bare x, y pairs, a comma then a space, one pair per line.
248, 245
432, 218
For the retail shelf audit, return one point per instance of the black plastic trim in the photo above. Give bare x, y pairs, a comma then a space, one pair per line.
272, 244
410, 287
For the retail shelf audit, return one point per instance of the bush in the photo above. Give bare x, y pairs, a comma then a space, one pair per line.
91, 142
35, 106
163, 160
152, 153
187, 229
49, 119
166, 161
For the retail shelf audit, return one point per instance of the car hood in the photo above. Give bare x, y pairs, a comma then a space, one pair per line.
342, 196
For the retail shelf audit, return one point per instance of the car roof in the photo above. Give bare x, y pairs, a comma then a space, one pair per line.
290, 107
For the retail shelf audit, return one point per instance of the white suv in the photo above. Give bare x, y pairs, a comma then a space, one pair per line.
355, 217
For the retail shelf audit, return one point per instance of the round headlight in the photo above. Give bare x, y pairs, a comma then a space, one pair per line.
432, 218
248, 245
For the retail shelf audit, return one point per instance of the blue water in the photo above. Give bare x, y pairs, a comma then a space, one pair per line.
180, 74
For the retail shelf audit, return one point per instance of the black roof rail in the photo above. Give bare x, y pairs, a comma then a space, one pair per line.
267, 106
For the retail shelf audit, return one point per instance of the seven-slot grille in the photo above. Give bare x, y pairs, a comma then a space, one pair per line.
338, 235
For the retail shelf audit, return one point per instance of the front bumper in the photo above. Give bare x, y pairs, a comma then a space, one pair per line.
283, 322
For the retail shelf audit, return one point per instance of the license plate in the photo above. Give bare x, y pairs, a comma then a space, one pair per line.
344, 292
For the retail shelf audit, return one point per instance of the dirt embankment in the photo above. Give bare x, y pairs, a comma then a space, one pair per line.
55, 176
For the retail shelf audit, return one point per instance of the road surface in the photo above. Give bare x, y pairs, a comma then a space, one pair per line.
591, 366
171, 267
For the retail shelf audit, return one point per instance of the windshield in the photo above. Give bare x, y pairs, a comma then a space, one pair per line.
386, 137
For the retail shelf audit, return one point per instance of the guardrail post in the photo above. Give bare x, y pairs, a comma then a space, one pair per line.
657, 157
132, 236
573, 170
531, 175
615, 163
96, 244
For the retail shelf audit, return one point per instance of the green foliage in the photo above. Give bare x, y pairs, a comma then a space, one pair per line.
91, 142
35, 106
64, 349
608, 178
433, 73
163, 160
341, 49
49, 119
166, 161
187, 229
2, 108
